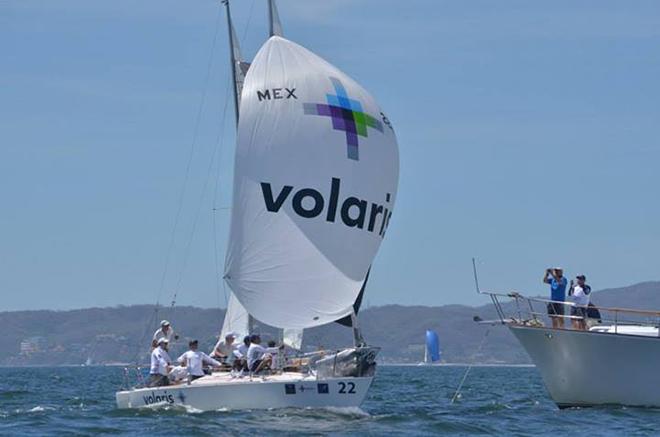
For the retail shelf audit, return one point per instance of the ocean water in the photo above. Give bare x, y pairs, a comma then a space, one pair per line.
402, 401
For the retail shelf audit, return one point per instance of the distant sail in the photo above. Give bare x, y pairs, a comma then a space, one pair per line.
237, 319
315, 182
432, 347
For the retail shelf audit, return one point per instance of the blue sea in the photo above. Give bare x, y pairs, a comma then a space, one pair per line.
402, 401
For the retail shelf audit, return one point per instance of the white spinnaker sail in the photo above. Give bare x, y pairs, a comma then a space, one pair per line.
315, 180
237, 320
293, 338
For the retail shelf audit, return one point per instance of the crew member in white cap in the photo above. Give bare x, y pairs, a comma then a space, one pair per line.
160, 365
165, 331
224, 349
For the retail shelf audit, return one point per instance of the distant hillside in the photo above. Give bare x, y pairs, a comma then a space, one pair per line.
120, 334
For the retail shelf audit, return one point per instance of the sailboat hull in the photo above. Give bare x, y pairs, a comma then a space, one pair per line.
583, 368
222, 391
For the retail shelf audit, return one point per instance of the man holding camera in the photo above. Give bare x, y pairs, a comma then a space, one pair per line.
555, 277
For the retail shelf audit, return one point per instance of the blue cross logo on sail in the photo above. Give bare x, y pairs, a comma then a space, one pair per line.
347, 116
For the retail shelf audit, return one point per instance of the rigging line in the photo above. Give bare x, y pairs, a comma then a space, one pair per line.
186, 257
467, 371
194, 228
153, 318
198, 118
190, 157
247, 25
215, 198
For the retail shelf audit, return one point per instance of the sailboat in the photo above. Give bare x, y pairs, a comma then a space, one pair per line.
315, 182
431, 349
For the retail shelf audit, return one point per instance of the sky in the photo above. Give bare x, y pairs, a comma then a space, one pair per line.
528, 133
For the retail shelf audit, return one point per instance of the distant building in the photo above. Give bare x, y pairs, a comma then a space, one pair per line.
106, 337
32, 345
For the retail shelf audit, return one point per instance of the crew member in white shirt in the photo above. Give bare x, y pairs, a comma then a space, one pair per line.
240, 354
160, 365
581, 295
257, 355
277, 358
165, 331
194, 360
224, 349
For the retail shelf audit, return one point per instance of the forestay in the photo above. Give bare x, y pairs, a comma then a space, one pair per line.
315, 183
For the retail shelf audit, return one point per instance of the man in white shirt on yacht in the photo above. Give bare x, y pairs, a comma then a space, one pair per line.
160, 365
194, 360
581, 295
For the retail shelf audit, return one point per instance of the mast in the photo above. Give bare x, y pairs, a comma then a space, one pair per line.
348, 321
238, 67
358, 340
274, 19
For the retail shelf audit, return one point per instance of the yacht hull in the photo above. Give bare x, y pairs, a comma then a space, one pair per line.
218, 392
583, 368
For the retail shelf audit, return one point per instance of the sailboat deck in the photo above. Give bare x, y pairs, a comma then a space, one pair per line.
227, 378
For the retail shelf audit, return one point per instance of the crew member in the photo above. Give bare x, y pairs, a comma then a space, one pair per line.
160, 365
194, 361
165, 331
240, 354
224, 349
581, 294
258, 357
555, 277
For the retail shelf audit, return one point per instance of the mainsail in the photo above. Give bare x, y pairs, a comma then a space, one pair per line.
237, 320
315, 181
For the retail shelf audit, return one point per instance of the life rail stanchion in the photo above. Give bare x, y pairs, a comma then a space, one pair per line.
616, 322
615, 316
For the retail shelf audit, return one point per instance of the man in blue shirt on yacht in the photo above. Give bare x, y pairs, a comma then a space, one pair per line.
555, 277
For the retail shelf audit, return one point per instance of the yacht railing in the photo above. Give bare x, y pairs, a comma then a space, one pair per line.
533, 311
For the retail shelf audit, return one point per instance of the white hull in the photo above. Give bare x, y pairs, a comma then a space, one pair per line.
582, 368
221, 391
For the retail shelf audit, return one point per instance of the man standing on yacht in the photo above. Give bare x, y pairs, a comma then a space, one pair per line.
580, 293
555, 277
